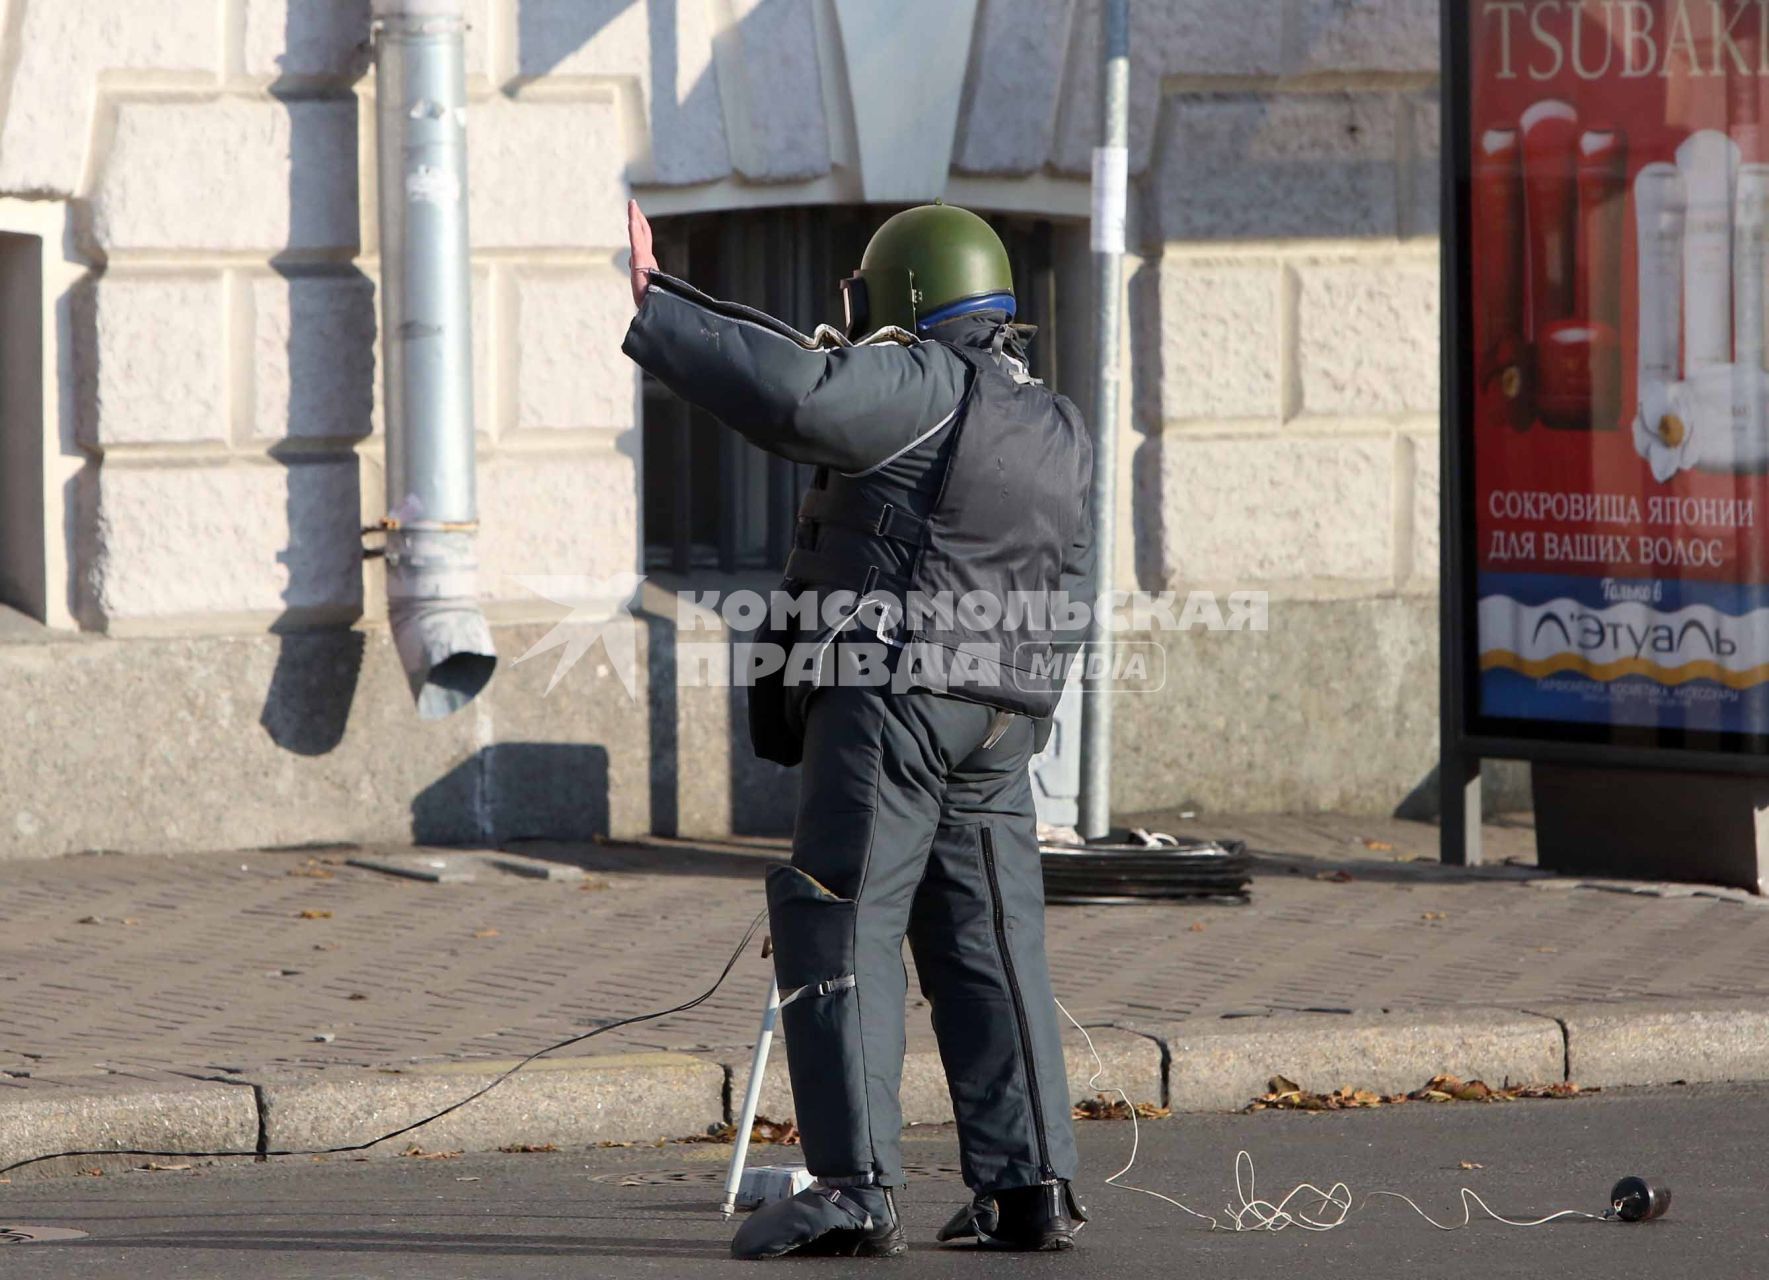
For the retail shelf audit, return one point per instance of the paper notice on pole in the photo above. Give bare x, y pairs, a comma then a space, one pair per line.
1111, 165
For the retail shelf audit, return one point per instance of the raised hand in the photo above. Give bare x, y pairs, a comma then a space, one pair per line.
643, 259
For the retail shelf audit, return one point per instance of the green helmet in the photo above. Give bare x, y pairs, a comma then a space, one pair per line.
925, 265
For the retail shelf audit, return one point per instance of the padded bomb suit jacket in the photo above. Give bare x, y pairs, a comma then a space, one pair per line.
940, 475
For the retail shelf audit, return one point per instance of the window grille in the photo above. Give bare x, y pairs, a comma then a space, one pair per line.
712, 501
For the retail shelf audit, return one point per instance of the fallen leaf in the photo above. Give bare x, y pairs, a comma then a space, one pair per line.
1457, 1090
1549, 951
779, 1132
1283, 1094
311, 871
1557, 1089
130, 920
612, 1143
1197, 926
311, 914
528, 1148
151, 1167
485, 933
1468, 1164
92, 1173
418, 1153
325, 946
1435, 915
1341, 876
1379, 846
1103, 1107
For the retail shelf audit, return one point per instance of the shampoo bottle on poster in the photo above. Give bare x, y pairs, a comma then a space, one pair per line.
1659, 206
1708, 160
1597, 262
1500, 352
1744, 100
1750, 227
1550, 136
1578, 355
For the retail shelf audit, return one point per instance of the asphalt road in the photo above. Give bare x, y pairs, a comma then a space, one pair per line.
648, 1211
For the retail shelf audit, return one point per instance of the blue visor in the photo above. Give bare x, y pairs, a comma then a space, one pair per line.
966, 306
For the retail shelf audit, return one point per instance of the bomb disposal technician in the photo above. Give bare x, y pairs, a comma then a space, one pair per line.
942, 471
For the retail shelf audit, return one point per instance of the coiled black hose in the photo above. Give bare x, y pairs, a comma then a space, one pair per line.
1126, 868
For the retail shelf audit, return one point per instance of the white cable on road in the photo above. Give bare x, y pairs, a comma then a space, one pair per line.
1250, 1213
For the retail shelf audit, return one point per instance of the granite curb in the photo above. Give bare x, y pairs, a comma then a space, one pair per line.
1198, 1065
108, 1117
1640, 1042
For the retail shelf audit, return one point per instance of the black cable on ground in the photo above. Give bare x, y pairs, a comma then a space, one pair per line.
742, 945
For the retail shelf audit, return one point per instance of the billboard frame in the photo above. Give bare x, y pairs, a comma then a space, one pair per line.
1466, 736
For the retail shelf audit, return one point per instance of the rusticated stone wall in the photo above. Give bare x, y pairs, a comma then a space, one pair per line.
211, 430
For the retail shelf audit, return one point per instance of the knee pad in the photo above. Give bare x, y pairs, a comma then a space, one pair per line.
813, 932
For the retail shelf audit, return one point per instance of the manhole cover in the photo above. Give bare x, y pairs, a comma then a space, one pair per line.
658, 1177
38, 1235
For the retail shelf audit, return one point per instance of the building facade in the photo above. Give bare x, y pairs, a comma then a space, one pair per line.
194, 652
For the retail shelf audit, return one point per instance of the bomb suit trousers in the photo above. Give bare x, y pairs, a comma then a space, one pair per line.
909, 826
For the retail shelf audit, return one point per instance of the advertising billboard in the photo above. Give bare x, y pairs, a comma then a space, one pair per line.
1612, 242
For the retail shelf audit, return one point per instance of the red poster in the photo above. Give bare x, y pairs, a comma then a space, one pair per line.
1618, 214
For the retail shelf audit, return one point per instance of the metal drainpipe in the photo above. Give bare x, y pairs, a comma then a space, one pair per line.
426, 326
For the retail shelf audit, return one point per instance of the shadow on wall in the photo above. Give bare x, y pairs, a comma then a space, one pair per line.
764, 795
321, 313
761, 798
549, 31
1142, 330
308, 706
517, 791
664, 710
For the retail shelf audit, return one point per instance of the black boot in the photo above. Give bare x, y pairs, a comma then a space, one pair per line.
1033, 1219
848, 1222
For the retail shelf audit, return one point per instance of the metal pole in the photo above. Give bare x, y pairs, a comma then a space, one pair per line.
1458, 773
426, 331
752, 1098
1110, 167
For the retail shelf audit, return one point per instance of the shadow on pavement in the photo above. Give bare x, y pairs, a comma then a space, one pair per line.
421, 1242
1269, 863
739, 860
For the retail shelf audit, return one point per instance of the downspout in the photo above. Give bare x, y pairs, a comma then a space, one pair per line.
443, 641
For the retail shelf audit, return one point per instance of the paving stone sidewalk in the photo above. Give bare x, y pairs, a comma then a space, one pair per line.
129, 969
